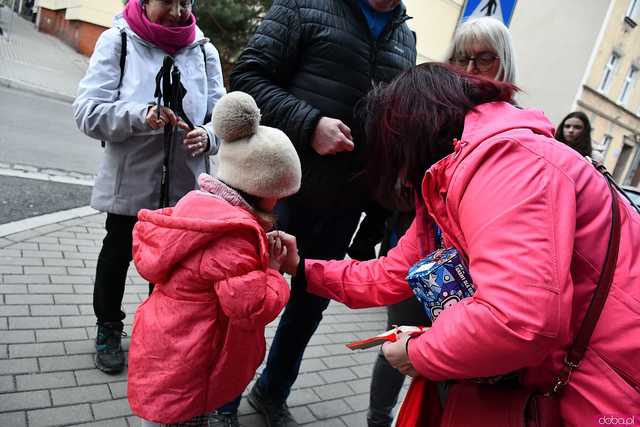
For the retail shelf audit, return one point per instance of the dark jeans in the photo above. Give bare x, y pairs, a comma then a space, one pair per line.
321, 234
230, 407
386, 381
112, 266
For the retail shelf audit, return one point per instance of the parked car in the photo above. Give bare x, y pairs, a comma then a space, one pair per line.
633, 193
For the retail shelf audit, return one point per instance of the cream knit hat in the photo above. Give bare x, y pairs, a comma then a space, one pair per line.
259, 160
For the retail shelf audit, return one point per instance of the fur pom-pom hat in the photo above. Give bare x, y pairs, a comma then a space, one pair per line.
258, 160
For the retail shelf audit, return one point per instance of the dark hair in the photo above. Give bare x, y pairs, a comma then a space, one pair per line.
412, 121
583, 144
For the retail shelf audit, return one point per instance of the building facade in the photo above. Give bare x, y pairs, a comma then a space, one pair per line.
79, 23
571, 55
610, 94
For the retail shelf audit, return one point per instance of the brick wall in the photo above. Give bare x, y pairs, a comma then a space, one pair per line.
82, 36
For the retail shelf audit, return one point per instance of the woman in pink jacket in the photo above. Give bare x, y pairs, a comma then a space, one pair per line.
199, 338
530, 218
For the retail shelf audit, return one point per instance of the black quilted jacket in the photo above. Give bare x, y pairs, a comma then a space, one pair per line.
314, 58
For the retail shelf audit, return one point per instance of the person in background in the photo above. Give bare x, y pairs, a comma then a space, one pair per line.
307, 66
532, 223
199, 338
115, 104
575, 131
483, 47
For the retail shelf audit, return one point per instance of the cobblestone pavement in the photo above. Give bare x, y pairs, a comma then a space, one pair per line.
47, 374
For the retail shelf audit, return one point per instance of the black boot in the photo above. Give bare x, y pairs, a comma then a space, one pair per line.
275, 414
224, 419
109, 354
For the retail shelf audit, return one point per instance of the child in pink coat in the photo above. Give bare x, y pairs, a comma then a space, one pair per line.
199, 338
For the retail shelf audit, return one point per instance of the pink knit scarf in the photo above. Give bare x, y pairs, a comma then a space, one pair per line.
169, 39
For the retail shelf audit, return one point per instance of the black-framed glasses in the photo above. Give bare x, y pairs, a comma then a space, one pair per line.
483, 61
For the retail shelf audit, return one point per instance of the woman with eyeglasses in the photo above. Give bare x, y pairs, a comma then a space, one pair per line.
116, 104
483, 46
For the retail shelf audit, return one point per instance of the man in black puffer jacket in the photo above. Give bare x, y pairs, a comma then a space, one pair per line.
307, 66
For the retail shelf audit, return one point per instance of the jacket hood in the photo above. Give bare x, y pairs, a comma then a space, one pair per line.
484, 122
480, 123
162, 240
120, 23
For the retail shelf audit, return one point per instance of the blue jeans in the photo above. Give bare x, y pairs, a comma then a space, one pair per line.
321, 234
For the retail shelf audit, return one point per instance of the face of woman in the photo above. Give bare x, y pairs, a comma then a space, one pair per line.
169, 13
572, 129
480, 59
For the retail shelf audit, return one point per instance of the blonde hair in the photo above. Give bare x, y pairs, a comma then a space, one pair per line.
492, 33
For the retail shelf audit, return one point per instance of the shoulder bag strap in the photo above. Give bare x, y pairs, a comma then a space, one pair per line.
579, 347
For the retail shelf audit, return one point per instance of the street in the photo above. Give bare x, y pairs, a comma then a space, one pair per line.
22, 198
39, 131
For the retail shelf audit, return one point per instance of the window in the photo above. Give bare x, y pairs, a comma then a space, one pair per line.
628, 84
599, 151
609, 70
623, 160
634, 9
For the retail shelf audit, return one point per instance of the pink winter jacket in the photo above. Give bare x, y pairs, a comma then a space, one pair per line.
199, 338
532, 218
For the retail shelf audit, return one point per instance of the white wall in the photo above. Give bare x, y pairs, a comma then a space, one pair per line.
434, 22
554, 41
99, 12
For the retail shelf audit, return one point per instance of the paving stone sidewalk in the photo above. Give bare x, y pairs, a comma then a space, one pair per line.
47, 374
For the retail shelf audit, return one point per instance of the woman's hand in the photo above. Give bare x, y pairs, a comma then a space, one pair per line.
196, 141
396, 355
157, 120
277, 252
291, 259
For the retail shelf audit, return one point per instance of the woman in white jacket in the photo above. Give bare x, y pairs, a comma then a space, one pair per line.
143, 162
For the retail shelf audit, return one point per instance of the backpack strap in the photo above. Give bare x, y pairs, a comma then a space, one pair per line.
207, 117
123, 59
123, 54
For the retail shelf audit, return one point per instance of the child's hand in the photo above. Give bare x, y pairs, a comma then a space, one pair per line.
290, 261
277, 251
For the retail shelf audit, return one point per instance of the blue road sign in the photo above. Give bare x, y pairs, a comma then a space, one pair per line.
499, 9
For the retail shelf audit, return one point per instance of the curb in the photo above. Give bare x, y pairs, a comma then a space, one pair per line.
15, 84
40, 175
47, 219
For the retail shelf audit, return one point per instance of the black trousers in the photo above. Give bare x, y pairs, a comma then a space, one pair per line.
113, 264
321, 234
386, 381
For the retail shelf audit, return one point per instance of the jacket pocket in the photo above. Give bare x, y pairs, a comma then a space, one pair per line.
119, 175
